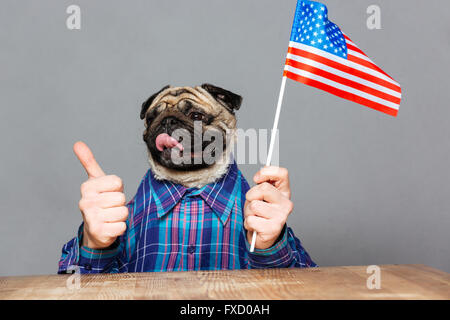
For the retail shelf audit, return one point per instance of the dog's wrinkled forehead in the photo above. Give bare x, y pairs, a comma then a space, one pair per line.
173, 95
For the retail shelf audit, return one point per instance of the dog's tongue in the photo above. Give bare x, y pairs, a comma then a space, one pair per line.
163, 140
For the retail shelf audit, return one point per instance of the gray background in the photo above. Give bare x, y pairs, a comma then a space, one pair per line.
368, 188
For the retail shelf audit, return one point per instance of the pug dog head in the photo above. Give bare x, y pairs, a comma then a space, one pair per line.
189, 133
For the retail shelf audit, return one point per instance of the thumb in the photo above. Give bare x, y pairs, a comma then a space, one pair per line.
84, 154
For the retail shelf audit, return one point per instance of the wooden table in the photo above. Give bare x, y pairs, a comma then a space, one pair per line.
397, 282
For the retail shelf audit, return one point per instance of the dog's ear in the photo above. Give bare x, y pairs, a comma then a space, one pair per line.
228, 99
149, 101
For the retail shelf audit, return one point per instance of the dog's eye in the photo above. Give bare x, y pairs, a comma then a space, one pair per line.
197, 116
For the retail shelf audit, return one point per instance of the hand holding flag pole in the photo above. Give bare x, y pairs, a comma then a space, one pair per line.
322, 56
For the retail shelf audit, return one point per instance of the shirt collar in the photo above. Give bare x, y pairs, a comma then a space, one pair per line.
220, 195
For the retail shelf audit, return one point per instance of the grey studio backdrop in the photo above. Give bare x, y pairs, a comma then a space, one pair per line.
368, 188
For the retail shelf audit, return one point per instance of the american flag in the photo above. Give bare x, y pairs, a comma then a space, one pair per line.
322, 56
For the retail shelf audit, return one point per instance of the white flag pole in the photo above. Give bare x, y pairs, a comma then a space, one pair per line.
272, 141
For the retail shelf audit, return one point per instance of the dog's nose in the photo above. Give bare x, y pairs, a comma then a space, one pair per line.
169, 121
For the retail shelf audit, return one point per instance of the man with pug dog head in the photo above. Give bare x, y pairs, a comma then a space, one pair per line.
193, 209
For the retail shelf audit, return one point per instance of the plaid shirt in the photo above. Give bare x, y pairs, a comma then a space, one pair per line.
173, 228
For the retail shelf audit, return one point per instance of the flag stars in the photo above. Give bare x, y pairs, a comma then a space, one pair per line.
314, 29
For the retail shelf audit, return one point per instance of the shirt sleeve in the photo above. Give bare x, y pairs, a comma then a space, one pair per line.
287, 252
81, 259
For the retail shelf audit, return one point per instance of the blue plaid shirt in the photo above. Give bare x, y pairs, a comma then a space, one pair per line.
173, 228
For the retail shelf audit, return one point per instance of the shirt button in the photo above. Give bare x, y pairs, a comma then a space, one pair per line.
88, 267
191, 249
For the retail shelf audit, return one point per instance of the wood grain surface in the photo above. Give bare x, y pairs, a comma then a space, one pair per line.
397, 282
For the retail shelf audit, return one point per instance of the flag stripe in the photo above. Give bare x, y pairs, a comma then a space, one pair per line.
340, 61
361, 55
369, 75
371, 84
346, 37
367, 64
358, 55
342, 80
349, 42
341, 93
353, 47
342, 87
